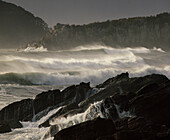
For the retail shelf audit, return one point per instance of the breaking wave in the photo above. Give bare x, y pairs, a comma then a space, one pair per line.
33, 49
110, 50
94, 76
75, 66
158, 49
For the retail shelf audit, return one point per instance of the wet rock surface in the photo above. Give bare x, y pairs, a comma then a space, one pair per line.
27, 108
89, 130
148, 103
4, 127
137, 108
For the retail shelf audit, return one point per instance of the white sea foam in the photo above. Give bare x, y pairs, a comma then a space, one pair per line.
30, 130
93, 111
158, 49
75, 66
111, 49
33, 49
60, 123
86, 63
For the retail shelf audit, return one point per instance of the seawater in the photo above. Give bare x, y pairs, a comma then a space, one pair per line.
24, 74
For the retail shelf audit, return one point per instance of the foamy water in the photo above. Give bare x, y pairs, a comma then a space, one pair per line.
94, 64
25, 74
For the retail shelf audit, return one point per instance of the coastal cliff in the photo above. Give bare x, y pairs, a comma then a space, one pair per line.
151, 31
18, 26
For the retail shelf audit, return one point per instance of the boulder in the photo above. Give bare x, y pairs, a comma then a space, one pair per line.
89, 130
153, 106
123, 85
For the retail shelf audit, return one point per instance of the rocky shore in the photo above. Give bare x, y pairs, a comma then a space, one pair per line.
121, 108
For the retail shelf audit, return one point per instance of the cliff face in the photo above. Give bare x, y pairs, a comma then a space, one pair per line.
153, 31
18, 27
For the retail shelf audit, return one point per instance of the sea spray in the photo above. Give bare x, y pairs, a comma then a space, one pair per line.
72, 67
30, 130
97, 109
122, 113
93, 111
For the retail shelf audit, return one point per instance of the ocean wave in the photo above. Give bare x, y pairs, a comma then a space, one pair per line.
33, 49
111, 50
113, 57
14, 78
63, 68
68, 78
158, 49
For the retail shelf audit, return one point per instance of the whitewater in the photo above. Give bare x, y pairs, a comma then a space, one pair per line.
28, 72
25, 73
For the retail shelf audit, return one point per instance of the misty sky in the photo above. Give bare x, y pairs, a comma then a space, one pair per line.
86, 11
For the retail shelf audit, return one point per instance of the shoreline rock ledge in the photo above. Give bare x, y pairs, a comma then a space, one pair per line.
129, 109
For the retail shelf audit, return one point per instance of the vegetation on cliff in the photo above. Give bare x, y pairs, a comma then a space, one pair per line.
18, 26
153, 31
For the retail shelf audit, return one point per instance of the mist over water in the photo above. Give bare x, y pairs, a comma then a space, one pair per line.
26, 73
84, 63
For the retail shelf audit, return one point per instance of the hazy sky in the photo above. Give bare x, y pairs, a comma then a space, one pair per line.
86, 11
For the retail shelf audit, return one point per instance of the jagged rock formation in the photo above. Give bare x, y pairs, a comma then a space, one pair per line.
139, 108
149, 109
135, 128
18, 26
153, 31
26, 109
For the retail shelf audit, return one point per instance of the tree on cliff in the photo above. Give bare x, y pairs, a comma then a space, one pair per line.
18, 26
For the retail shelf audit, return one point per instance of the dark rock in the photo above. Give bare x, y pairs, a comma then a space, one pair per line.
14, 124
154, 106
122, 101
130, 95
123, 85
26, 109
89, 130
4, 127
18, 26
121, 124
64, 111
144, 128
17, 110
109, 137
146, 97
136, 123
131, 123
127, 135
108, 109
47, 99
128, 32
120, 77
163, 135
147, 89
